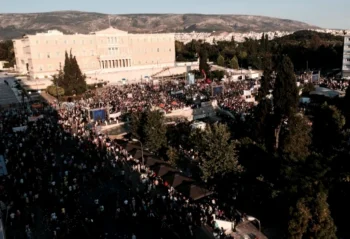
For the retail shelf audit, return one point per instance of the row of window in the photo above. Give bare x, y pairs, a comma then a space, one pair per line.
111, 51
51, 68
66, 42
110, 40
145, 50
58, 54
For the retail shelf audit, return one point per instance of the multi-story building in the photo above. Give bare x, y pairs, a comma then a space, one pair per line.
109, 50
346, 57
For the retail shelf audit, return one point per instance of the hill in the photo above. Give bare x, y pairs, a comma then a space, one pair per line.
305, 37
14, 25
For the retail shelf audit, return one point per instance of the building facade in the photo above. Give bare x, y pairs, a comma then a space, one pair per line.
110, 50
346, 57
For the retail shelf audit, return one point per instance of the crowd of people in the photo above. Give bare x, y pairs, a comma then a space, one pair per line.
64, 179
169, 95
340, 85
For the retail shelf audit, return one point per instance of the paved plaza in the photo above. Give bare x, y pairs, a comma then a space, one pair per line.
7, 96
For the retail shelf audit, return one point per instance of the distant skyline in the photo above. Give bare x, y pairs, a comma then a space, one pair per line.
323, 13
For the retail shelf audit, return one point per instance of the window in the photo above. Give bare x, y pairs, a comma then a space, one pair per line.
40, 68
84, 53
157, 49
348, 59
73, 41
90, 41
39, 55
48, 55
47, 42
65, 41
169, 49
82, 41
57, 53
56, 42
92, 52
49, 67
37, 42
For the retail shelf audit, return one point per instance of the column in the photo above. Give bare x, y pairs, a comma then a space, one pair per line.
130, 62
120, 63
116, 63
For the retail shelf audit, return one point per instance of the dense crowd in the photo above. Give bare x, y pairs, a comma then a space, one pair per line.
64, 179
340, 85
169, 96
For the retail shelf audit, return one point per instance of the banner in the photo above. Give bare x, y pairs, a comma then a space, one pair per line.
98, 114
191, 79
315, 77
115, 115
20, 128
35, 118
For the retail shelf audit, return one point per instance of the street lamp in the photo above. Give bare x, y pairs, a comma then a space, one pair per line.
136, 140
251, 219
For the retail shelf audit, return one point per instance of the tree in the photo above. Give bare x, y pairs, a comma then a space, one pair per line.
173, 157
266, 79
295, 138
154, 130
234, 63
300, 217
327, 127
7, 52
285, 95
221, 60
137, 122
217, 152
243, 55
322, 226
203, 60
311, 218
346, 103
55, 90
70, 78
308, 88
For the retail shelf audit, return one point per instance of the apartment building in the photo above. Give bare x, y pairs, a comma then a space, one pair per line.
111, 50
346, 57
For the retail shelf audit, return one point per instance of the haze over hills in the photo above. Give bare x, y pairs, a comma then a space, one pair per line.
14, 25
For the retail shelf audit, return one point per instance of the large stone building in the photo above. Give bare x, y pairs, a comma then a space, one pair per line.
346, 57
101, 55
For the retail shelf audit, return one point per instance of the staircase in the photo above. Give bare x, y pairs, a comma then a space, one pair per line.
160, 72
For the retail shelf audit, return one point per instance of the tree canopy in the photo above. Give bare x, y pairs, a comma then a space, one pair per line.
71, 78
217, 151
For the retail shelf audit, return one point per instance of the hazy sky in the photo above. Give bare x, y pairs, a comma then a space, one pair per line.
323, 13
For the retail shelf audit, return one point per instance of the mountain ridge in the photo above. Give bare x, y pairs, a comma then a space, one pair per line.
14, 25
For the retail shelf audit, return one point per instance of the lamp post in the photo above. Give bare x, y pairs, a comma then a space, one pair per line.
136, 140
